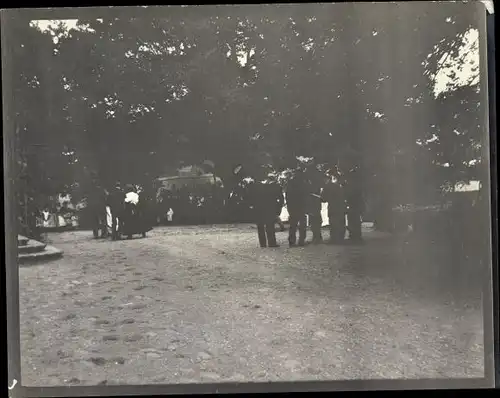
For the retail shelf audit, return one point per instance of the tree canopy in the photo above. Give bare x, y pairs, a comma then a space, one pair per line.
129, 98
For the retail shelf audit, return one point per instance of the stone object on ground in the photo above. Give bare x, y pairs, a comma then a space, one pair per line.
30, 251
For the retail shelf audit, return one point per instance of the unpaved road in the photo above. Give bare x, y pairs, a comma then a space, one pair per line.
206, 304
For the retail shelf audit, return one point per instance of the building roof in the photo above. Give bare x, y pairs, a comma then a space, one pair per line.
188, 177
472, 186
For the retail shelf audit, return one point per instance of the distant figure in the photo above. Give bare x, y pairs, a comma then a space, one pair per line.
97, 210
354, 198
238, 201
170, 214
115, 203
163, 203
314, 207
296, 199
266, 199
279, 202
333, 195
46, 218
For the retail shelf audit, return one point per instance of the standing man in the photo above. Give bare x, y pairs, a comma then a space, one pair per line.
314, 206
116, 204
354, 198
315, 215
333, 195
164, 200
296, 198
97, 208
266, 199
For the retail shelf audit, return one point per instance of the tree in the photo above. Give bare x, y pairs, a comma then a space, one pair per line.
259, 86
42, 164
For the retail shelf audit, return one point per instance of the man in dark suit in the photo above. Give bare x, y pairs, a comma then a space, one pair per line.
296, 201
354, 196
97, 209
115, 203
315, 183
266, 199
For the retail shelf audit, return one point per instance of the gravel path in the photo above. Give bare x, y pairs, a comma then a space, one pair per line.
205, 304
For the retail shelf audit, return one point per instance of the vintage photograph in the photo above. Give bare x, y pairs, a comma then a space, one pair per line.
249, 193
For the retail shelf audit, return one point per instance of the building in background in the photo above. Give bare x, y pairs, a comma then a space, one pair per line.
189, 176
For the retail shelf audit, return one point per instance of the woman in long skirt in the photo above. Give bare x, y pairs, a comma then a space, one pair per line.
135, 219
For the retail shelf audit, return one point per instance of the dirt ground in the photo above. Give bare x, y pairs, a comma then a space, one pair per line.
206, 304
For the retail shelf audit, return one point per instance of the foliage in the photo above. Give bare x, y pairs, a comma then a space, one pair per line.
132, 97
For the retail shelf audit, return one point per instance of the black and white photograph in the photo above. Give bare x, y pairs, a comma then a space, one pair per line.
249, 193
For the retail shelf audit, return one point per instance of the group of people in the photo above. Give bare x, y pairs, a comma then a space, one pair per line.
126, 212
304, 194
127, 209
